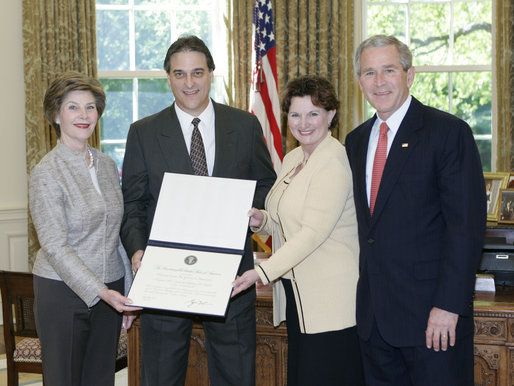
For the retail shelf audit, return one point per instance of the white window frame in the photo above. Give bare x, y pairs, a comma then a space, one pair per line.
219, 52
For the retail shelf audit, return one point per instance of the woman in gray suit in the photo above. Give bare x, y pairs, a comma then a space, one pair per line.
81, 270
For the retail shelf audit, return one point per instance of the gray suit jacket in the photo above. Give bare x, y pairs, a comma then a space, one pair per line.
156, 145
78, 229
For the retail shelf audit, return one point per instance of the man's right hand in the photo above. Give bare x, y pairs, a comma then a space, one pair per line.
136, 259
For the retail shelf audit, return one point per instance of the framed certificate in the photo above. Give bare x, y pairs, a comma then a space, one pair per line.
195, 246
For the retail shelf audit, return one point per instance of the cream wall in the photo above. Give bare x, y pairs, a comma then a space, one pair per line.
13, 177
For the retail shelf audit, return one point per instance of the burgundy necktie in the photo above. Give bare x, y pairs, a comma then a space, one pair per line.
378, 165
197, 152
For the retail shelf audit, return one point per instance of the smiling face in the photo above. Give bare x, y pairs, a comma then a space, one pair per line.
190, 81
308, 123
77, 118
383, 80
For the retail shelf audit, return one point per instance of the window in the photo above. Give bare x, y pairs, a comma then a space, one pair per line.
452, 45
133, 37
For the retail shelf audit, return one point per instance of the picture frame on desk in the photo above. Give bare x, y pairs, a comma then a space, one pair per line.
494, 182
506, 211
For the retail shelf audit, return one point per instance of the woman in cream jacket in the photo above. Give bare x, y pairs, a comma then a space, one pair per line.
310, 214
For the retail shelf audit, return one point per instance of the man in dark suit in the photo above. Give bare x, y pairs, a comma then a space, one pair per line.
233, 147
421, 219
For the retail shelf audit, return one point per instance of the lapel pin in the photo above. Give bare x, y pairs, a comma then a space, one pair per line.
405, 144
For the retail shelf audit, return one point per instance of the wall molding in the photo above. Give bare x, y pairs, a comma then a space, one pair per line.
13, 214
14, 239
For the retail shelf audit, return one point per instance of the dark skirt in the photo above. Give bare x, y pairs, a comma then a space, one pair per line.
327, 358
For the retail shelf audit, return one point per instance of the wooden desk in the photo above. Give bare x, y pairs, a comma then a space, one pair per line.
494, 343
271, 356
494, 337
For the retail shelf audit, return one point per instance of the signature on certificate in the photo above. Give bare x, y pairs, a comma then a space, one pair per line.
197, 302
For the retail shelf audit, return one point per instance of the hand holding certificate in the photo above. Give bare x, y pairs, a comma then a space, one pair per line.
195, 246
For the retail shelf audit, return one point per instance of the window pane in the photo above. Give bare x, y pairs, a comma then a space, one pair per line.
430, 26
484, 148
175, 3
111, 2
472, 100
154, 95
387, 20
218, 90
473, 37
196, 2
117, 116
152, 38
116, 151
431, 88
112, 31
152, 2
196, 23
369, 110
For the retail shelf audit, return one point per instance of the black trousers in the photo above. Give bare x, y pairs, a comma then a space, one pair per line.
327, 358
417, 366
231, 342
78, 344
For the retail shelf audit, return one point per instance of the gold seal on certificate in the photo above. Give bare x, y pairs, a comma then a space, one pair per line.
190, 260
195, 246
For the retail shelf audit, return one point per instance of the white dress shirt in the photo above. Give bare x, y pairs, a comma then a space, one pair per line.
207, 131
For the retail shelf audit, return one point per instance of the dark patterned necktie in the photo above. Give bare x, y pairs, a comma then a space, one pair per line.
197, 153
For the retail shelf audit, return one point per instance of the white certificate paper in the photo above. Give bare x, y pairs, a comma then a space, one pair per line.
185, 281
196, 244
203, 210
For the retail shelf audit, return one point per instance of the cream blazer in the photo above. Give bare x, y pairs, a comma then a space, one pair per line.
314, 229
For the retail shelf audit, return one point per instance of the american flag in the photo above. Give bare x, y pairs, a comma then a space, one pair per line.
264, 100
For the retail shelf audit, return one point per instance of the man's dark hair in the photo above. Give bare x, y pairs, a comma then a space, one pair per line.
185, 44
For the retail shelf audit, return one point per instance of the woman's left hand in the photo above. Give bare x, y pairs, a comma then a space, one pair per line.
245, 281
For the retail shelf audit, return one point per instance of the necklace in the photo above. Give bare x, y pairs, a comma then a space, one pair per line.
91, 160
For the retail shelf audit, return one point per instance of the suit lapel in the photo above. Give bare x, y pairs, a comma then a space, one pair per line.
225, 141
360, 167
403, 144
173, 145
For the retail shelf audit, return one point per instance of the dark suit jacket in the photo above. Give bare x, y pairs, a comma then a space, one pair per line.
423, 244
156, 145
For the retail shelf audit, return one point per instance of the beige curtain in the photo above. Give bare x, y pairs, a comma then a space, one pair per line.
58, 36
312, 37
511, 15
505, 82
